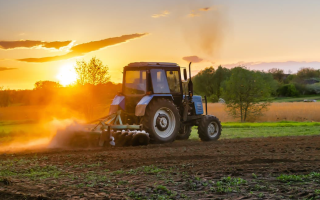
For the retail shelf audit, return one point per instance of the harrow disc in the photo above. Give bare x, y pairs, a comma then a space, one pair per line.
130, 138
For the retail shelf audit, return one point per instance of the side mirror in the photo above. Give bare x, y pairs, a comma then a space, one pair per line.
185, 74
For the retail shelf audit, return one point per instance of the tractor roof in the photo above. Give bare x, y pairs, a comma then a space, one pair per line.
152, 64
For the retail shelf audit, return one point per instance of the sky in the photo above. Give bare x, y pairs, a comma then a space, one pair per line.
42, 40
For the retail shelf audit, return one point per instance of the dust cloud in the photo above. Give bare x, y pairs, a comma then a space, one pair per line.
64, 131
204, 31
42, 135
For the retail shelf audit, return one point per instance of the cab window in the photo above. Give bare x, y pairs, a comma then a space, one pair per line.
159, 81
173, 81
135, 82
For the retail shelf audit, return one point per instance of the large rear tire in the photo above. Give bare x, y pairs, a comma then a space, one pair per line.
161, 120
209, 128
184, 132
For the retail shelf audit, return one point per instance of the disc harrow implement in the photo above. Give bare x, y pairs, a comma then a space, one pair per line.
106, 131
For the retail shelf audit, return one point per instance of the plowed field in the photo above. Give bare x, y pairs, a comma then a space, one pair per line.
266, 168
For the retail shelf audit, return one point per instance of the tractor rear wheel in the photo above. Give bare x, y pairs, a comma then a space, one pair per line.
209, 128
161, 120
184, 132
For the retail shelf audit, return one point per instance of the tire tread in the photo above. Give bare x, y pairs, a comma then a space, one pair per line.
202, 128
148, 118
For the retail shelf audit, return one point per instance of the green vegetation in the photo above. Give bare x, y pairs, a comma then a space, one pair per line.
299, 178
208, 82
247, 92
33, 172
232, 130
291, 178
268, 124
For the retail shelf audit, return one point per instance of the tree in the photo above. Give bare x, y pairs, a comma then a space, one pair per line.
307, 72
314, 88
46, 85
209, 81
288, 90
4, 97
45, 91
277, 74
203, 82
93, 72
221, 75
246, 93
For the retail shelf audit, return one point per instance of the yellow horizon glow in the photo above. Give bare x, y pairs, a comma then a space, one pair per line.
67, 75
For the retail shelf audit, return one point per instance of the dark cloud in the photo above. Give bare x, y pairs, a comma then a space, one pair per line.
6, 68
84, 48
33, 43
194, 59
196, 13
205, 9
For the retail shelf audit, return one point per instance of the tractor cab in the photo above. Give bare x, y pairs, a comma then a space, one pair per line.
151, 78
145, 78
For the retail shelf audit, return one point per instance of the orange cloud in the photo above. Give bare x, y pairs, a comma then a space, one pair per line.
32, 43
193, 14
163, 14
6, 68
84, 48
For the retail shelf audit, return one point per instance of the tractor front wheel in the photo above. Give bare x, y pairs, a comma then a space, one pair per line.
209, 128
161, 120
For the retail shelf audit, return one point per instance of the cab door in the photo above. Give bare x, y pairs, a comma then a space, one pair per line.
174, 83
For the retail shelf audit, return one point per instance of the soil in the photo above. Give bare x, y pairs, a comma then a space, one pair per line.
182, 169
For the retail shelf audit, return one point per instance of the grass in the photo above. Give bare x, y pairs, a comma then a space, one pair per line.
6, 128
232, 130
268, 124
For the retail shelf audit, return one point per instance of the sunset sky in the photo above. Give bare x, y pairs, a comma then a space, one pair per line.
41, 40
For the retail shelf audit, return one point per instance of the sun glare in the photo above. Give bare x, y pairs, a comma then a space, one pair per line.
67, 75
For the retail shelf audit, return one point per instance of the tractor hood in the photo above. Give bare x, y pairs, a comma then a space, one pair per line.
119, 103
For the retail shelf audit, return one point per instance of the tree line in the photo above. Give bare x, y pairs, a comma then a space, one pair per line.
247, 93
93, 87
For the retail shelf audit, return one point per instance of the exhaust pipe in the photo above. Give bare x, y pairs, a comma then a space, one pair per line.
190, 84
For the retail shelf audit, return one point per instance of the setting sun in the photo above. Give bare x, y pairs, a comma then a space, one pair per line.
67, 75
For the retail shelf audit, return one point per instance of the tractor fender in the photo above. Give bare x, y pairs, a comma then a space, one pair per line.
143, 103
118, 101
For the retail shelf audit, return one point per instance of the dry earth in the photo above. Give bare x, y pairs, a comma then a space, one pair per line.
226, 169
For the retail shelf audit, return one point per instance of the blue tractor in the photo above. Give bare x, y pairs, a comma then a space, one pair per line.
152, 107
152, 96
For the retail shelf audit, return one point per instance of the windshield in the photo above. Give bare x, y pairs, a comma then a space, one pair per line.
159, 81
135, 82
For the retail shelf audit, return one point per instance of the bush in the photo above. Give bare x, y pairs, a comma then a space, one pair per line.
288, 90
314, 88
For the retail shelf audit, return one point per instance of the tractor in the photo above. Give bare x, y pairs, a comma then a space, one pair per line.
155, 106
